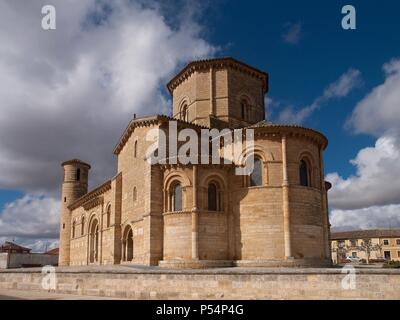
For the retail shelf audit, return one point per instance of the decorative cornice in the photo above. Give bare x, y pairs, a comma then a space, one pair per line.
91, 195
268, 128
93, 203
75, 161
148, 121
224, 62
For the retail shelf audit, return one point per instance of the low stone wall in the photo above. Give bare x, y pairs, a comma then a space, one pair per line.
228, 283
3, 260
18, 260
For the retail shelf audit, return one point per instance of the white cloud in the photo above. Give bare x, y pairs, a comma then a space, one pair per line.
65, 90
375, 217
371, 197
71, 92
374, 182
379, 111
292, 34
338, 89
31, 216
37, 245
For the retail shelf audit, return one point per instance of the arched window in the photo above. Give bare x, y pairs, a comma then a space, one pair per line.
134, 194
256, 178
212, 197
78, 174
73, 229
108, 216
243, 110
135, 149
127, 244
177, 198
304, 174
184, 113
83, 226
93, 241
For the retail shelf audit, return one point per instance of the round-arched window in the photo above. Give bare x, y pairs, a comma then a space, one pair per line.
212, 197
256, 176
185, 113
304, 174
177, 197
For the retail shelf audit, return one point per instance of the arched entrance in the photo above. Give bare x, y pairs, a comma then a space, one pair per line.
127, 244
94, 241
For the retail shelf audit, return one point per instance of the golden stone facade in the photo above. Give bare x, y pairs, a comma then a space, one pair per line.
204, 215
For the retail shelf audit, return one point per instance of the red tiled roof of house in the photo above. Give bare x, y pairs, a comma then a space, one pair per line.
54, 251
7, 246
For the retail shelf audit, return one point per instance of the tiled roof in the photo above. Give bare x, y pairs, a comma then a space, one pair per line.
289, 128
221, 61
360, 234
147, 120
12, 246
54, 251
75, 161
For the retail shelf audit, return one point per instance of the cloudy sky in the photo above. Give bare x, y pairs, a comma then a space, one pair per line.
64, 90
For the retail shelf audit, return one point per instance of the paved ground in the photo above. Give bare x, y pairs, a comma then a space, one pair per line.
138, 269
39, 295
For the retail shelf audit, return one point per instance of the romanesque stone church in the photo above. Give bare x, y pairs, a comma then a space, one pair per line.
203, 215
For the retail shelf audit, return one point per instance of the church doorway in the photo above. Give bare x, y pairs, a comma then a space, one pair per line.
94, 241
127, 244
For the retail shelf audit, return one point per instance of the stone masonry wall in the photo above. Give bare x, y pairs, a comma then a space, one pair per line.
236, 283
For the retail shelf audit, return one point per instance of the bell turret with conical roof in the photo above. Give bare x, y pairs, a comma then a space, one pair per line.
75, 185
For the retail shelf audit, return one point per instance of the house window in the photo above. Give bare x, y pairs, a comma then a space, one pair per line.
78, 174
386, 242
256, 175
354, 254
353, 243
387, 255
398, 242
398, 254
304, 174
177, 198
212, 197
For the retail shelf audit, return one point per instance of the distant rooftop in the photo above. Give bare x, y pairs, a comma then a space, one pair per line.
54, 251
13, 247
360, 234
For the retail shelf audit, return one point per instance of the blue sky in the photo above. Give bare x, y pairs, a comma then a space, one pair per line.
252, 31
301, 44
